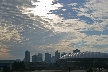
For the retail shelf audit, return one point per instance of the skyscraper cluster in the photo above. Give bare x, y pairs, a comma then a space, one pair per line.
39, 57
52, 59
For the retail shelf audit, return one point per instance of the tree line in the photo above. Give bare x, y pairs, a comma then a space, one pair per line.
16, 66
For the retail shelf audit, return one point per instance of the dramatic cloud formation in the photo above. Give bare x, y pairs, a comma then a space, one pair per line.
41, 26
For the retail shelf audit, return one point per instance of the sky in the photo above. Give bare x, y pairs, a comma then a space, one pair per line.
46, 26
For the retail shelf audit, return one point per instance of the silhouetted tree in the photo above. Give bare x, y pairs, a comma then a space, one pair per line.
6, 69
18, 66
90, 69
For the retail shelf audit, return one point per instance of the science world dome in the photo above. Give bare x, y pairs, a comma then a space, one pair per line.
85, 55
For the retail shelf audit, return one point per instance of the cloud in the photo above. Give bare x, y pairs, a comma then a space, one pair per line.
5, 52
64, 25
97, 11
9, 33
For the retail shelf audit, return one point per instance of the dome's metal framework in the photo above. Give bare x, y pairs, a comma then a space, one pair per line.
85, 55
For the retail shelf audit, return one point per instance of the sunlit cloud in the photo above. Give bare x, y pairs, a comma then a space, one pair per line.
8, 33
5, 52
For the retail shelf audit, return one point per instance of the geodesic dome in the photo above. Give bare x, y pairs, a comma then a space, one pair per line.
85, 55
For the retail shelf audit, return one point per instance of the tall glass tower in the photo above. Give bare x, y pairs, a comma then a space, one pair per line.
57, 55
27, 56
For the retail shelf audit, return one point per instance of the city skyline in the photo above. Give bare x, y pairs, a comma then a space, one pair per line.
53, 58
47, 57
68, 61
63, 25
39, 57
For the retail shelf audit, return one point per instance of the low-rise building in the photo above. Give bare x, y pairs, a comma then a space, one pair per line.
7, 63
36, 65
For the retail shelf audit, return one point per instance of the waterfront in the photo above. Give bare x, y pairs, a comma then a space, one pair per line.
105, 70
60, 71
56, 71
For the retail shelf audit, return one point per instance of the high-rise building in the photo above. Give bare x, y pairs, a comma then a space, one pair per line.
63, 54
37, 58
75, 51
40, 57
47, 57
57, 55
53, 59
34, 58
27, 56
